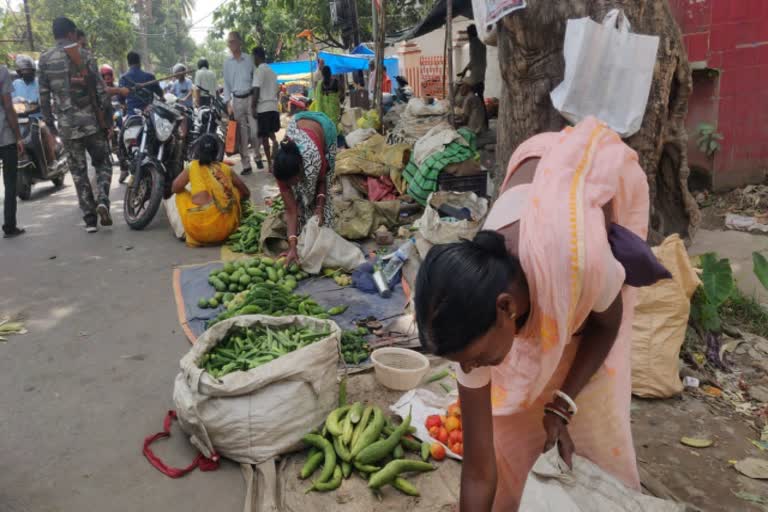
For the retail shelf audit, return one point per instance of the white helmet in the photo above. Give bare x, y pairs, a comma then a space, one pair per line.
24, 62
179, 68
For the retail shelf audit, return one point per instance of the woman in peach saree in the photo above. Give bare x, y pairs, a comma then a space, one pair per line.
546, 356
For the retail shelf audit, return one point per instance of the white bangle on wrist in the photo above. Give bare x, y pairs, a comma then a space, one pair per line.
568, 400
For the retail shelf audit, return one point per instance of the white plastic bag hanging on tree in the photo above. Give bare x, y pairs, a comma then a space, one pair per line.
608, 72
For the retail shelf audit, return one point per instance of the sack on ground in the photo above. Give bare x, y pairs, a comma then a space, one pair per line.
273, 238
174, 218
358, 219
660, 322
322, 247
623, 64
552, 487
253, 416
437, 230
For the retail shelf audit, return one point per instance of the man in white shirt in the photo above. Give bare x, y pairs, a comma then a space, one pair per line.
205, 84
238, 80
264, 103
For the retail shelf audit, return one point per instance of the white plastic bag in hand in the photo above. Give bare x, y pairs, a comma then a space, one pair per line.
608, 73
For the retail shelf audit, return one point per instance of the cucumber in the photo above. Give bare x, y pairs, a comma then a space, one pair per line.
223, 276
228, 267
202, 303
219, 296
219, 285
213, 303
245, 279
233, 287
272, 274
267, 262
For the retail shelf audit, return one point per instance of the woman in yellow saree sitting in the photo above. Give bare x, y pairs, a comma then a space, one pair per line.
210, 212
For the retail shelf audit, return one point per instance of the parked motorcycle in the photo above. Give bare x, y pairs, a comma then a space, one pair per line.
209, 120
33, 164
156, 142
404, 92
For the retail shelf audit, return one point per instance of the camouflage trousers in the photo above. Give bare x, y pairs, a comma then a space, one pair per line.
97, 147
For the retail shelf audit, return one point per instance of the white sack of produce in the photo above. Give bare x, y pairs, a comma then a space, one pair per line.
252, 416
322, 247
621, 61
553, 487
437, 230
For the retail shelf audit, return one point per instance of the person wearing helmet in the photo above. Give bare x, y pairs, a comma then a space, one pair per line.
107, 74
182, 88
26, 85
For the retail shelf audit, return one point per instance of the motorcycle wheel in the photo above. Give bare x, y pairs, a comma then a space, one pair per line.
23, 188
142, 202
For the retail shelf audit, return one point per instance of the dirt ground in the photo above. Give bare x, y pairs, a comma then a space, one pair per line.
94, 376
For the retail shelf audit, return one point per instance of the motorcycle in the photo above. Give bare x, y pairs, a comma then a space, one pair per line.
156, 141
33, 164
404, 92
209, 120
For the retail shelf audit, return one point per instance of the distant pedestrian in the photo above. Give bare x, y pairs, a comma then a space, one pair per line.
77, 121
205, 84
238, 83
477, 62
264, 103
11, 146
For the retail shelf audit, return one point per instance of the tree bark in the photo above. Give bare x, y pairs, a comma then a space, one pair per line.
530, 43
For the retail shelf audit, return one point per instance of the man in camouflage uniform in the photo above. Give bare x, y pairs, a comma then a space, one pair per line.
78, 125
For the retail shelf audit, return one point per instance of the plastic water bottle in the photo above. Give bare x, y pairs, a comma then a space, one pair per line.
397, 261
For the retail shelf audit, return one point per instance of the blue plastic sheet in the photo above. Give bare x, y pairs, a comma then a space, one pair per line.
293, 67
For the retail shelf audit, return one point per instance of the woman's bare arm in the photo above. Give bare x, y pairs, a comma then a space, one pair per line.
478, 472
180, 182
245, 192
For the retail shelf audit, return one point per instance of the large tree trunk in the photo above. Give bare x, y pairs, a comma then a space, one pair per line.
530, 55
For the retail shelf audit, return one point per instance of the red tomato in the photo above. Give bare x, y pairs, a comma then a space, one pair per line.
454, 436
458, 449
437, 451
442, 435
434, 432
433, 421
454, 410
452, 423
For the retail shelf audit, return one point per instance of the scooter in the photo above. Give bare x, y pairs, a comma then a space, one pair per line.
33, 164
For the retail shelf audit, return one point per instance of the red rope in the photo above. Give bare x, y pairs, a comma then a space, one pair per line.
201, 461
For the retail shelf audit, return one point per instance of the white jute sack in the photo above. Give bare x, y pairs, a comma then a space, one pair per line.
553, 487
253, 416
439, 231
608, 72
321, 246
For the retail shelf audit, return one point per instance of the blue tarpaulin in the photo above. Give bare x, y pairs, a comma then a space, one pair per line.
293, 67
362, 49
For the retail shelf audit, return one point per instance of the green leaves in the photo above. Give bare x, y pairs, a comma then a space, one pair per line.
760, 267
717, 278
708, 138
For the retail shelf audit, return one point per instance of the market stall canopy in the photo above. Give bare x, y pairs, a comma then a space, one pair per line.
290, 69
362, 49
350, 63
434, 20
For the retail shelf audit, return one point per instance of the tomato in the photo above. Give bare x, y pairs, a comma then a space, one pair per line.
434, 432
442, 419
452, 423
433, 421
458, 449
442, 435
437, 451
454, 410
454, 436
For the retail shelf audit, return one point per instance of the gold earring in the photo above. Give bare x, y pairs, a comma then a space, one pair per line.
512, 316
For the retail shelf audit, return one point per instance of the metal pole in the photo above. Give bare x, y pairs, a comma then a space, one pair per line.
449, 53
380, 30
29, 26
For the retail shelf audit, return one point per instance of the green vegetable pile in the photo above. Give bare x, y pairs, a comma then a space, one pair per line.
362, 439
241, 275
246, 238
245, 348
354, 348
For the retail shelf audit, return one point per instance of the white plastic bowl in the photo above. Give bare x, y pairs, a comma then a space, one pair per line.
399, 368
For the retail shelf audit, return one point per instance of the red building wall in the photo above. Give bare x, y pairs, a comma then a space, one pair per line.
730, 36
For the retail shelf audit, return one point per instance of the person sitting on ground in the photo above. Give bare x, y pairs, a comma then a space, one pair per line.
535, 312
304, 167
211, 211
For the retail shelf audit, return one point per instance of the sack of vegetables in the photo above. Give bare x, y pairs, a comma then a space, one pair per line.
253, 385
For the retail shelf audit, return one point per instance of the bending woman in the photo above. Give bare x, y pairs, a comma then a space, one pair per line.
304, 167
211, 211
545, 356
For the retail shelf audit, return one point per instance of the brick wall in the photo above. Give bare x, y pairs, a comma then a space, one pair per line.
732, 37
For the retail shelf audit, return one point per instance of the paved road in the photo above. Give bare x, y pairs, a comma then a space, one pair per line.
94, 376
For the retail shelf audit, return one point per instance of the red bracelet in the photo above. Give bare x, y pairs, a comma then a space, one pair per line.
559, 414
558, 410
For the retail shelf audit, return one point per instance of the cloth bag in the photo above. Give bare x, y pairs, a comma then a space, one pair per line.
661, 318
252, 417
320, 247
553, 487
608, 73
436, 230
